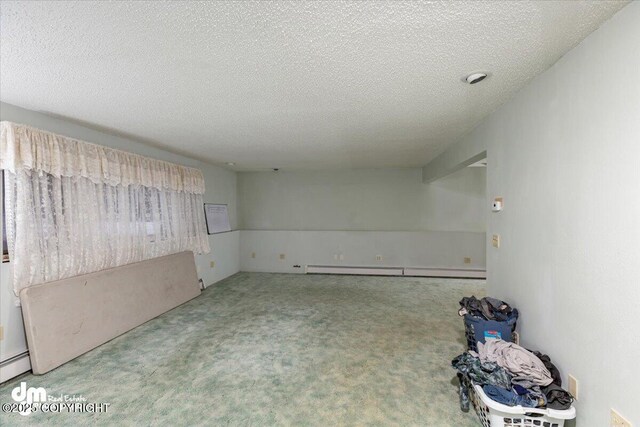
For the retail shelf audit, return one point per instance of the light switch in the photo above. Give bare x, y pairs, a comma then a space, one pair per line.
496, 241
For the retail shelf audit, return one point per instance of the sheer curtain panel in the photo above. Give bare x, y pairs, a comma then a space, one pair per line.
73, 207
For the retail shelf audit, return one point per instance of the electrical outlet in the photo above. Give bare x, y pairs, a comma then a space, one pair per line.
281, 256
467, 260
378, 257
618, 420
496, 241
253, 254
573, 386
212, 264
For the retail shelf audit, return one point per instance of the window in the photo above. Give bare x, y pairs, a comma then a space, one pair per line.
92, 207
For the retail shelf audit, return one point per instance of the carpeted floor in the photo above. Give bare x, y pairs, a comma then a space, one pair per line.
278, 349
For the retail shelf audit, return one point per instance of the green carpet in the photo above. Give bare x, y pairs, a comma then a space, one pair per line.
278, 349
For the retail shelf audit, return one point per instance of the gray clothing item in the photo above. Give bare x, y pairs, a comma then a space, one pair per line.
524, 382
527, 369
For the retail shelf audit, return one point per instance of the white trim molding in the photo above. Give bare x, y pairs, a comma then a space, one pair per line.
14, 366
397, 271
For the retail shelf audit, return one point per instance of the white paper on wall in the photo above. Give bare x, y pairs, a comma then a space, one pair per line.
217, 217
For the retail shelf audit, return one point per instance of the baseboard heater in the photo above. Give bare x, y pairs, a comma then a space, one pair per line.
14, 366
446, 272
397, 271
363, 271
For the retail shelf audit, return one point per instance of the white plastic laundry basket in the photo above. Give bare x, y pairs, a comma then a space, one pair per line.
494, 414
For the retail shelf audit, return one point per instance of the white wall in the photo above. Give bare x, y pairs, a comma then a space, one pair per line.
565, 155
456, 202
220, 188
313, 216
368, 199
445, 249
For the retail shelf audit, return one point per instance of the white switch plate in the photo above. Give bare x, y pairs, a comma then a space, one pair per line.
573, 386
496, 241
618, 420
378, 257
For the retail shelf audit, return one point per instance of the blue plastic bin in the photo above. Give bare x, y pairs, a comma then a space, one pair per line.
479, 329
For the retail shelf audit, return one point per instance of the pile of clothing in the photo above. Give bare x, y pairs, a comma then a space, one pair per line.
487, 308
511, 375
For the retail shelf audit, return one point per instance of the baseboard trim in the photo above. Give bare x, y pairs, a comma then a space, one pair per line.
397, 271
360, 271
15, 366
446, 272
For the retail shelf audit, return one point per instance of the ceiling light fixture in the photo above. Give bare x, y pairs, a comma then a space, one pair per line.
230, 164
475, 78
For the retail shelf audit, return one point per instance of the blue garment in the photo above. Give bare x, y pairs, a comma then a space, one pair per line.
520, 390
510, 398
481, 372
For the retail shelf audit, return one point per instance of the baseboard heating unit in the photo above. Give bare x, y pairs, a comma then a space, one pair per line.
397, 271
364, 271
446, 272
14, 366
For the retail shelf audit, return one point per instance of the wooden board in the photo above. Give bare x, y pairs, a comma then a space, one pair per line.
66, 318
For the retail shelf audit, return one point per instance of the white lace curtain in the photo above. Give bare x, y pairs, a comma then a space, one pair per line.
73, 207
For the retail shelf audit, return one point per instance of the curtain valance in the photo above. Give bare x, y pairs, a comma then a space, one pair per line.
26, 148
73, 207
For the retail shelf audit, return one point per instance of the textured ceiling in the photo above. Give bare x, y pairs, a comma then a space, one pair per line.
292, 85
